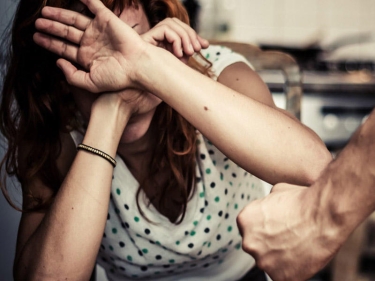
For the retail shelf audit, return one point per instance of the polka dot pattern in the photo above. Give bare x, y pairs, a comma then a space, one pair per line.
136, 248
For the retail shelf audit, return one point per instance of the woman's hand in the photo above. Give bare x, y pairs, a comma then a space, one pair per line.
107, 49
101, 46
177, 37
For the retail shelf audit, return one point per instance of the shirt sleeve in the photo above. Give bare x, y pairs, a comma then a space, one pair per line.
221, 57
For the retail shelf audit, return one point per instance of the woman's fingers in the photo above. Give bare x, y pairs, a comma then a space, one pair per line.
67, 17
178, 46
192, 35
58, 29
204, 43
75, 77
59, 47
183, 39
94, 5
197, 41
187, 35
188, 38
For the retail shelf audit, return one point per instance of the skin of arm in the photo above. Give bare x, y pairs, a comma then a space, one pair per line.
264, 140
51, 244
295, 231
205, 105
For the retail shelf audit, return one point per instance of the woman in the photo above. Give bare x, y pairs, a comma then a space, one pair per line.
168, 209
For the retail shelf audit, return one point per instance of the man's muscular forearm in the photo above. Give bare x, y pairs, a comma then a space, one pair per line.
295, 231
346, 187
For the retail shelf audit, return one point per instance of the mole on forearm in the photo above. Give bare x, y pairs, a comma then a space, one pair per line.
206, 108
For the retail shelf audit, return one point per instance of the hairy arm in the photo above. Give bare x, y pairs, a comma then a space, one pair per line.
295, 231
346, 188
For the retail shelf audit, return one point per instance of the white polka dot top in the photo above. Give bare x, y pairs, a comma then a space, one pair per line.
206, 245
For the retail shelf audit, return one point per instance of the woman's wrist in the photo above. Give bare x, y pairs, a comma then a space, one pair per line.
152, 67
144, 69
108, 119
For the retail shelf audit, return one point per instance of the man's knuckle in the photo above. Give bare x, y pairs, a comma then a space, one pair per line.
249, 247
241, 217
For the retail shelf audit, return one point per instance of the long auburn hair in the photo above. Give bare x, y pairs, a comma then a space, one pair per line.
36, 107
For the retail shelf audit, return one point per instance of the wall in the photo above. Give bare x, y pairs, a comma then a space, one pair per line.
286, 21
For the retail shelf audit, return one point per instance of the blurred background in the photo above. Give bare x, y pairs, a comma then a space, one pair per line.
333, 43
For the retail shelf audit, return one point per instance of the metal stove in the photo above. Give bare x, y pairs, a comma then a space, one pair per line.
338, 95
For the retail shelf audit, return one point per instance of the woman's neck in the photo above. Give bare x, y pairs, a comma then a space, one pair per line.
138, 154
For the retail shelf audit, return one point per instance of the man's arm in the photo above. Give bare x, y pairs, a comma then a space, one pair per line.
295, 231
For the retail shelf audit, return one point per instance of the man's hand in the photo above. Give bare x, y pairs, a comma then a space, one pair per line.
286, 234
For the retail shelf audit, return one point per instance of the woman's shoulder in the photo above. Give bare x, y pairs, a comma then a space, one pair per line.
213, 52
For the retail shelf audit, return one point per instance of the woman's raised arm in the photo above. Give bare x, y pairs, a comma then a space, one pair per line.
260, 138
62, 242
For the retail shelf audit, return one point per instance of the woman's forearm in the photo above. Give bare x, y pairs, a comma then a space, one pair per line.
261, 139
65, 244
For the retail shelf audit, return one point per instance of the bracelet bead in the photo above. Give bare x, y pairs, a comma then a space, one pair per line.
98, 152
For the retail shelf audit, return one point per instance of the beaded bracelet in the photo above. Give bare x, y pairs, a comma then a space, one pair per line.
98, 152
